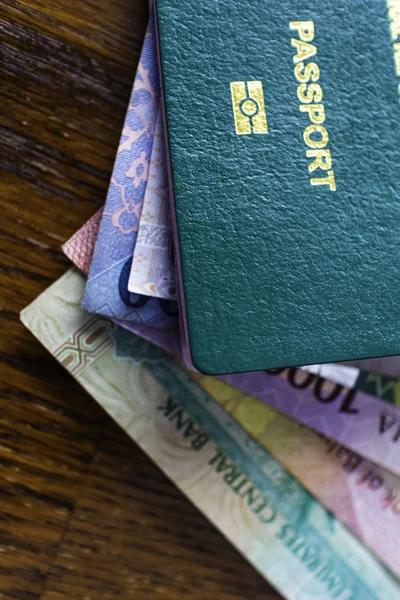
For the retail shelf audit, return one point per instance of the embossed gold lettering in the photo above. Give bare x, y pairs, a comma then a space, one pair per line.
395, 28
310, 95
319, 130
304, 50
396, 48
311, 71
316, 112
394, 18
329, 180
305, 29
323, 160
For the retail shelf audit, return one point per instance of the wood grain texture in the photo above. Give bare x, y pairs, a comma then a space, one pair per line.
83, 513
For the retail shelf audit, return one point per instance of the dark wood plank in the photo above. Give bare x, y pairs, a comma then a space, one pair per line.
133, 535
83, 512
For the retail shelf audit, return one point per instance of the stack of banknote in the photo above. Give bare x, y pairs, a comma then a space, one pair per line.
299, 468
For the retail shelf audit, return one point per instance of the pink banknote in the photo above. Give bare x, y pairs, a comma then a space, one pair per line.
79, 248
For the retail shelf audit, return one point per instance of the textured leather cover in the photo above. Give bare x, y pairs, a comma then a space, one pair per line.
278, 270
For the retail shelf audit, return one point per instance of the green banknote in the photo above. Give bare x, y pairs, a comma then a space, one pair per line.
274, 522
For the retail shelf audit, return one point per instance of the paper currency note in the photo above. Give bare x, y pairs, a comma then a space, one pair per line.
347, 376
361, 373
385, 387
79, 248
359, 421
107, 286
298, 546
153, 271
387, 365
362, 495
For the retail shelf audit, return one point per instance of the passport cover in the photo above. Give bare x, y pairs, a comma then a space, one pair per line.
283, 123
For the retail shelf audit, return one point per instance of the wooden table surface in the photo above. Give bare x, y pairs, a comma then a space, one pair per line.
84, 514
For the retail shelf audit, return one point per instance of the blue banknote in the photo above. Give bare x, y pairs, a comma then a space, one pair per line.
107, 285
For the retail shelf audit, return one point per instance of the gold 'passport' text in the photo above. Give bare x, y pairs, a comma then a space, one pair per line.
310, 94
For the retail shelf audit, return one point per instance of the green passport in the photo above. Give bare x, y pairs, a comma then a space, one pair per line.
284, 142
